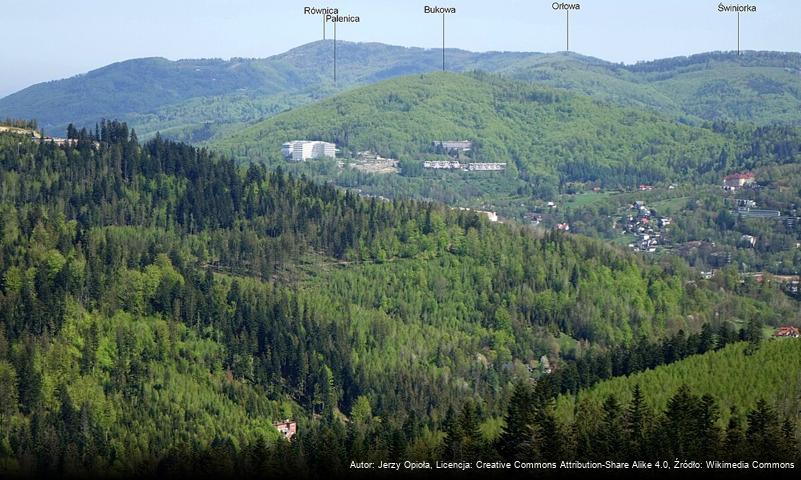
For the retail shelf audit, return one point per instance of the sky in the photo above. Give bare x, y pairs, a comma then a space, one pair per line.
52, 39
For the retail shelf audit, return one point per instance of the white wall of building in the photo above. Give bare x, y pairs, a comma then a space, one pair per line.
302, 150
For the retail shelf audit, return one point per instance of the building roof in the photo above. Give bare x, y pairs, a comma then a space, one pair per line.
740, 176
787, 331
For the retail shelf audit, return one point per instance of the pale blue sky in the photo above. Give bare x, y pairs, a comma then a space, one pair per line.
51, 39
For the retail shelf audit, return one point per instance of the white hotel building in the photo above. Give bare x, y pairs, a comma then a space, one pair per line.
302, 150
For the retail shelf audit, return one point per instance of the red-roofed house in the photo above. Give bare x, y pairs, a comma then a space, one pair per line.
787, 332
287, 428
738, 180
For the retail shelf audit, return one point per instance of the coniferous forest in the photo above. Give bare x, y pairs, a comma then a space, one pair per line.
161, 307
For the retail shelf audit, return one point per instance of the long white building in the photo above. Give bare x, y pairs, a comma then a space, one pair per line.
302, 150
471, 167
486, 166
441, 164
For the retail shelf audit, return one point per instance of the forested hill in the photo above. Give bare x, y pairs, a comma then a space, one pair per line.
732, 403
546, 136
198, 99
160, 307
755, 87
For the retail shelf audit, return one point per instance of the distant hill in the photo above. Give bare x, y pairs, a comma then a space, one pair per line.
537, 131
757, 87
198, 99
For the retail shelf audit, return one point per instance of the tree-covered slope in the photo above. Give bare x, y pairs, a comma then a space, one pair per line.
143, 283
736, 404
117, 391
129, 88
755, 87
538, 131
738, 376
548, 138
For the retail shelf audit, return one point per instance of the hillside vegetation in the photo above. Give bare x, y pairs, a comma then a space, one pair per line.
538, 131
160, 307
737, 378
548, 139
737, 404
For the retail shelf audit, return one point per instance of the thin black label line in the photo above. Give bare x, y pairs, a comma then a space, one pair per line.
443, 42
567, 32
738, 32
323, 27
335, 53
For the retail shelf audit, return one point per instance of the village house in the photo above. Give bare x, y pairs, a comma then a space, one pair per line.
545, 365
787, 331
738, 180
749, 240
288, 428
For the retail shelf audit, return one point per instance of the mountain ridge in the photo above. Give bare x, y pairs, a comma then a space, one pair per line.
183, 97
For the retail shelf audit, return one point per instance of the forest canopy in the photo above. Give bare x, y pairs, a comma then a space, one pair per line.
161, 307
